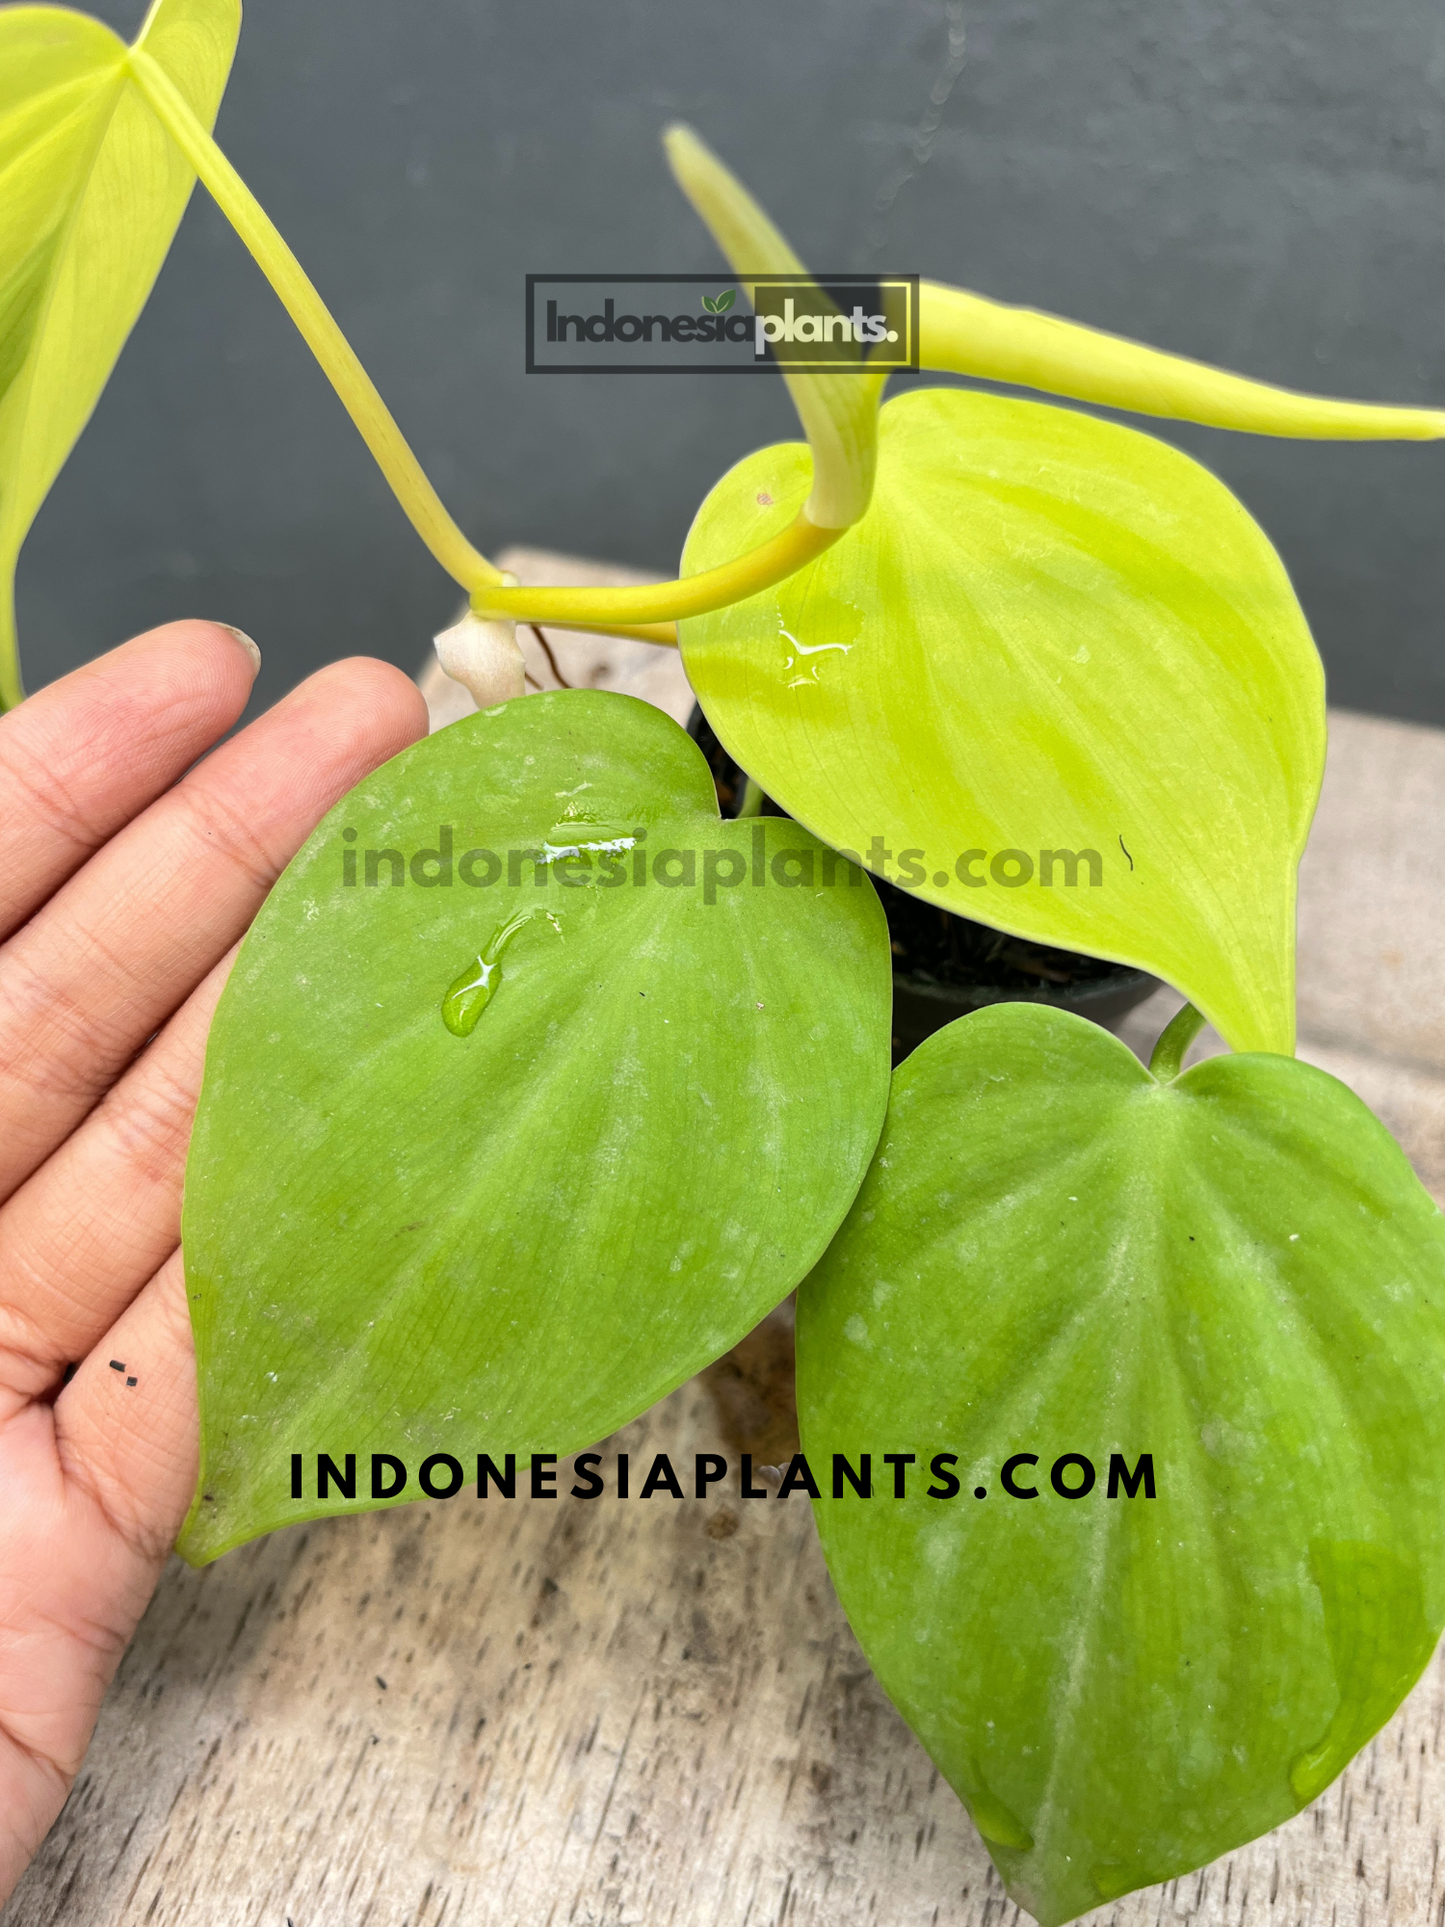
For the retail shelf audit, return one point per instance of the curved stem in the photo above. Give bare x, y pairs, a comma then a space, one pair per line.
973, 336
1174, 1040
839, 412
693, 595
642, 614
664, 634
338, 359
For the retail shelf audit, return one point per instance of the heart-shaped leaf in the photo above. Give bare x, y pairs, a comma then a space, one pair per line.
534, 1087
91, 191
1056, 679
1233, 1277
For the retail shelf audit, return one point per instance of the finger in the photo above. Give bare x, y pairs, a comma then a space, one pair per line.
81, 1237
87, 753
108, 959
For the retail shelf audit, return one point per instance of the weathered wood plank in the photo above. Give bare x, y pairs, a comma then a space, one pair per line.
609, 1712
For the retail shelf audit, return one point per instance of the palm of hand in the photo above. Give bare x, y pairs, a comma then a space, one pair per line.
126, 884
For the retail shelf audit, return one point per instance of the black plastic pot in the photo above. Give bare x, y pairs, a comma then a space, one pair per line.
946, 966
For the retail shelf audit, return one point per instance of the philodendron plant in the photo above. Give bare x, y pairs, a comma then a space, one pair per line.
492, 1161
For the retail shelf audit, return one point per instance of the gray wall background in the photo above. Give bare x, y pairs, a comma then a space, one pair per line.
1257, 182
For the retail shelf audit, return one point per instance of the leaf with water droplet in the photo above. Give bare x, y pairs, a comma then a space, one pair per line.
507, 1136
1060, 632
1235, 1273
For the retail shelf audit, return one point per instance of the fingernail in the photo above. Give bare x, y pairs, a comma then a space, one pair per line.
246, 643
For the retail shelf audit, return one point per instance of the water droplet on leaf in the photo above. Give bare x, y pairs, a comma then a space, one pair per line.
475, 988
580, 836
794, 651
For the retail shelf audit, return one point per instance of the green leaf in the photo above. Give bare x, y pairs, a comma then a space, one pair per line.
91, 192
709, 304
1236, 1273
1048, 633
511, 1226
725, 300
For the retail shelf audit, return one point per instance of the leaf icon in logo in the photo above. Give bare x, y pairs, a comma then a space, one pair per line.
719, 304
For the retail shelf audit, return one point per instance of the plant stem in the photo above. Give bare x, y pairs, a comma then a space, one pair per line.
423, 506
638, 613
839, 411
657, 602
752, 803
1174, 1040
664, 634
973, 336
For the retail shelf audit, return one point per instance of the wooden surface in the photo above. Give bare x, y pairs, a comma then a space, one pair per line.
610, 1712
627, 1714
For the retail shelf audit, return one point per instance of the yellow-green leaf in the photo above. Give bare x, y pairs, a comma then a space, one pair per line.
91, 192
534, 1087
1167, 1354
1055, 679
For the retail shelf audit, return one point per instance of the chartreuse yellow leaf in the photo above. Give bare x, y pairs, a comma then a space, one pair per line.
91, 192
1065, 1277
1056, 679
974, 336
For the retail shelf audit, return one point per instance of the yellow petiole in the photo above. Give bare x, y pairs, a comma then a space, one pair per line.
337, 357
646, 614
631, 611
973, 336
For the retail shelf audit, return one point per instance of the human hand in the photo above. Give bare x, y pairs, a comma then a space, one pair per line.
128, 879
